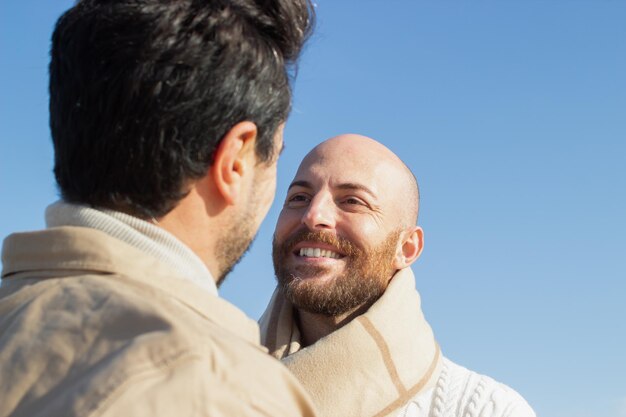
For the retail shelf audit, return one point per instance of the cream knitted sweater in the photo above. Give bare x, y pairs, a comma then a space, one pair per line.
460, 392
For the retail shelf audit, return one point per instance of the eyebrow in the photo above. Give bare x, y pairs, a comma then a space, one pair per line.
355, 186
343, 186
304, 184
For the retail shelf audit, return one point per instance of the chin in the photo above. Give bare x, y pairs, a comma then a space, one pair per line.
312, 274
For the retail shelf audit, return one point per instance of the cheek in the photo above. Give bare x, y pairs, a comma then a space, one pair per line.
273, 173
271, 192
286, 224
361, 233
268, 187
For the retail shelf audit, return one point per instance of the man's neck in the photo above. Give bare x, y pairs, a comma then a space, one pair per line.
139, 233
196, 221
313, 326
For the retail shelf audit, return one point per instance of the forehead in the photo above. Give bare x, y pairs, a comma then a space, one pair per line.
336, 168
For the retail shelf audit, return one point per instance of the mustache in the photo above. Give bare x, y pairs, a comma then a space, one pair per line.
341, 244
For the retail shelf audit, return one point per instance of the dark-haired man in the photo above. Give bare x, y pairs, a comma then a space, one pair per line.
346, 317
167, 121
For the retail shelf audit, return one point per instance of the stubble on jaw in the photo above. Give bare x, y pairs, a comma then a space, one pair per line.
363, 281
235, 243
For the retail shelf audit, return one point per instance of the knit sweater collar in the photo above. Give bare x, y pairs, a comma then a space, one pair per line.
145, 236
370, 367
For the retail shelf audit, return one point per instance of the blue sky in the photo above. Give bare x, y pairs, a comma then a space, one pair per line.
513, 117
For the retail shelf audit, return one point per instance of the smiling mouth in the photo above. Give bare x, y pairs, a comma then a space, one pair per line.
317, 253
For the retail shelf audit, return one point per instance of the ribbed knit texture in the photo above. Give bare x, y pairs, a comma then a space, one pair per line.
460, 392
143, 235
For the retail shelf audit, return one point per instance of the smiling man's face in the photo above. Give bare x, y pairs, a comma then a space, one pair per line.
338, 240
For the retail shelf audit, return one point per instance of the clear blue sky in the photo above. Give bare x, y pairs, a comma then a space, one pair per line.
513, 117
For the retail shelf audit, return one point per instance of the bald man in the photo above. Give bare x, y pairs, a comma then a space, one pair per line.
345, 317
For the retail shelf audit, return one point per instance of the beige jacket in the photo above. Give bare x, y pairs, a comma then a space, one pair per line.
90, 326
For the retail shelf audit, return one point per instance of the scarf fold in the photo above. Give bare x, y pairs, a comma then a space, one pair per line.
373, 365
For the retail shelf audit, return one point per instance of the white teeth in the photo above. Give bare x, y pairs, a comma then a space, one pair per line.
318, 253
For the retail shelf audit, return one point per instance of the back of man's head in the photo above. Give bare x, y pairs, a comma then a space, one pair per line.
142, 91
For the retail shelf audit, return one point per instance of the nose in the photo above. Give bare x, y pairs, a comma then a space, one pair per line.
320, 213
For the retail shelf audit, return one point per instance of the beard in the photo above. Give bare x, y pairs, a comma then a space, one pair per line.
235, 242
363, 281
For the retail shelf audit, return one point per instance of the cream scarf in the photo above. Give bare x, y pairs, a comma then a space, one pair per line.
370, 367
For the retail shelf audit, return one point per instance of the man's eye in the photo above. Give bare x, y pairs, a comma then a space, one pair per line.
298, 199
352, 200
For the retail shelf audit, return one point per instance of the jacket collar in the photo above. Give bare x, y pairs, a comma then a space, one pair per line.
370, 367
64, 251
144, 235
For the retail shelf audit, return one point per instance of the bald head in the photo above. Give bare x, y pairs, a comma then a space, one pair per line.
367, 155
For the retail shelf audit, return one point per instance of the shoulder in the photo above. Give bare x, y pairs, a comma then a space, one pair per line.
197, 386
461, 392
119, 349
208, 367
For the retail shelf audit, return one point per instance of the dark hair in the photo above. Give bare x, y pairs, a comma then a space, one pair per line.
142, 91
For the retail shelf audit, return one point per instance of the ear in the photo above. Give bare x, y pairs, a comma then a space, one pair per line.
411, 247
234, 160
